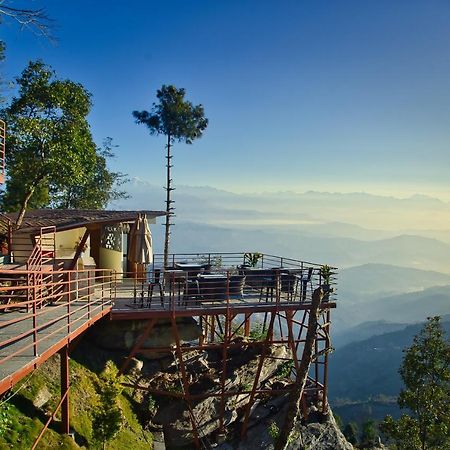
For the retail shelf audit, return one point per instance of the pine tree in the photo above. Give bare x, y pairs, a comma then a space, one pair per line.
107, 417
179, 120
425, 372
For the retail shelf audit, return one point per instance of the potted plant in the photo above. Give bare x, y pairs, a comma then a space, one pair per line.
325, 275
252, 259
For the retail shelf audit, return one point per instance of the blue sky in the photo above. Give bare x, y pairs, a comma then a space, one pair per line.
341, 96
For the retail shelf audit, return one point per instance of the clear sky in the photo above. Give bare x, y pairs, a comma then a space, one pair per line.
336, 95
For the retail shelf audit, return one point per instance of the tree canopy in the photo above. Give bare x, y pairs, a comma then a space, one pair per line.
425, 372
173, 116
178, 120
52, 160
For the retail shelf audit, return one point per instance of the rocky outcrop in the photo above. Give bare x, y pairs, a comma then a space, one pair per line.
121, 335
169, 414
204, 377
316, 434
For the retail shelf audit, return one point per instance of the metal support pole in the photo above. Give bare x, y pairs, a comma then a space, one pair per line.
185, 382
69, 294
266, 345
325, 367
225, 343
65, 414
213, 328
247, 325
35, 326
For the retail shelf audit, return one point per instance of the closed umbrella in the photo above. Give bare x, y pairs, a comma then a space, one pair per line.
141, 249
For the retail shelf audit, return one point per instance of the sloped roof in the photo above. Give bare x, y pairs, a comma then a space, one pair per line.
66, 219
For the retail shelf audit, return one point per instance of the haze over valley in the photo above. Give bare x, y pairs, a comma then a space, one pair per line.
392, 253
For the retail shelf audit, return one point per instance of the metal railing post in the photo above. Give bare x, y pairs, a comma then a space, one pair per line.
69, 294
89, 286
115, 288
277, 286
35, 331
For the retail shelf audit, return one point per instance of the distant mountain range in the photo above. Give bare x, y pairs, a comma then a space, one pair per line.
369, 368
363, 235
403, 308
205, 204
338, 229
364, 331
368, 281
408, 251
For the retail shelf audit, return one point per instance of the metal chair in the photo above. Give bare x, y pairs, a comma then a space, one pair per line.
155, 282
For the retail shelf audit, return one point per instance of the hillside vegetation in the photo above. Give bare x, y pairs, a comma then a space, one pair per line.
36, 398
364, 378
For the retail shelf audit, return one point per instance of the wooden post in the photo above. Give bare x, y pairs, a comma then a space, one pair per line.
302, 373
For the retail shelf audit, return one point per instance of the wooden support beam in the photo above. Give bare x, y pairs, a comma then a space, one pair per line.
325, 368
294, 404
79, 249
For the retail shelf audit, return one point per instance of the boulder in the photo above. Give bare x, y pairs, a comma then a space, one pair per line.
42, 397
175, 418
324, 435
121, 335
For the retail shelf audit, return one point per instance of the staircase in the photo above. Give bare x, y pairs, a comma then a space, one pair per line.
43, 273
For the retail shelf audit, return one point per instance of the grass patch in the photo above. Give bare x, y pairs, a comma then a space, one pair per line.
25, 421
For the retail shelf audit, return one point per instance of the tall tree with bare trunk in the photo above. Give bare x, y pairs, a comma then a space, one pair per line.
293, 409
179, 120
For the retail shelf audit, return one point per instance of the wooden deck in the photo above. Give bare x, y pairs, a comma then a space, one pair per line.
41, 315
22, 350
129, 305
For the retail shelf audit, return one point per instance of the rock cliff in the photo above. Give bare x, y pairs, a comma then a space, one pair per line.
170, 416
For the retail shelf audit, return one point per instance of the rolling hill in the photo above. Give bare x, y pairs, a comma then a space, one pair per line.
367, 369
367, 281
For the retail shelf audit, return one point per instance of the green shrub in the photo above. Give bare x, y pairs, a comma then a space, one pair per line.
285, 368
5, 420
258, 333
274, 431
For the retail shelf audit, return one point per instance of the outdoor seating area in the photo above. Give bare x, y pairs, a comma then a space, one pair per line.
215, 280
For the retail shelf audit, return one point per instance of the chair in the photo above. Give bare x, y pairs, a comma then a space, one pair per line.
191, 292
288, 283
175, 282
212, 288
155, 282
236, 286
303, 280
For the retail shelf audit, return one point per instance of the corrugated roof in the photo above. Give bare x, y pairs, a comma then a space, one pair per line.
65, 219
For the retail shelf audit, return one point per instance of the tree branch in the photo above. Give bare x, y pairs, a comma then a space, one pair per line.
34, 19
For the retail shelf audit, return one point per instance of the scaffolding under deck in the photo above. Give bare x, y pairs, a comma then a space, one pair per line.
229, 305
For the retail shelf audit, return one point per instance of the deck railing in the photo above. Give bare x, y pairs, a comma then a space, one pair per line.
35, 316
212, 280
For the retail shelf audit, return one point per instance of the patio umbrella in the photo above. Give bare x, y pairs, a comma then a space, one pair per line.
141, 247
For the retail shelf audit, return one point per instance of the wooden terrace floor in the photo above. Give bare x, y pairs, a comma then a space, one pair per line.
127, 307
17, 348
